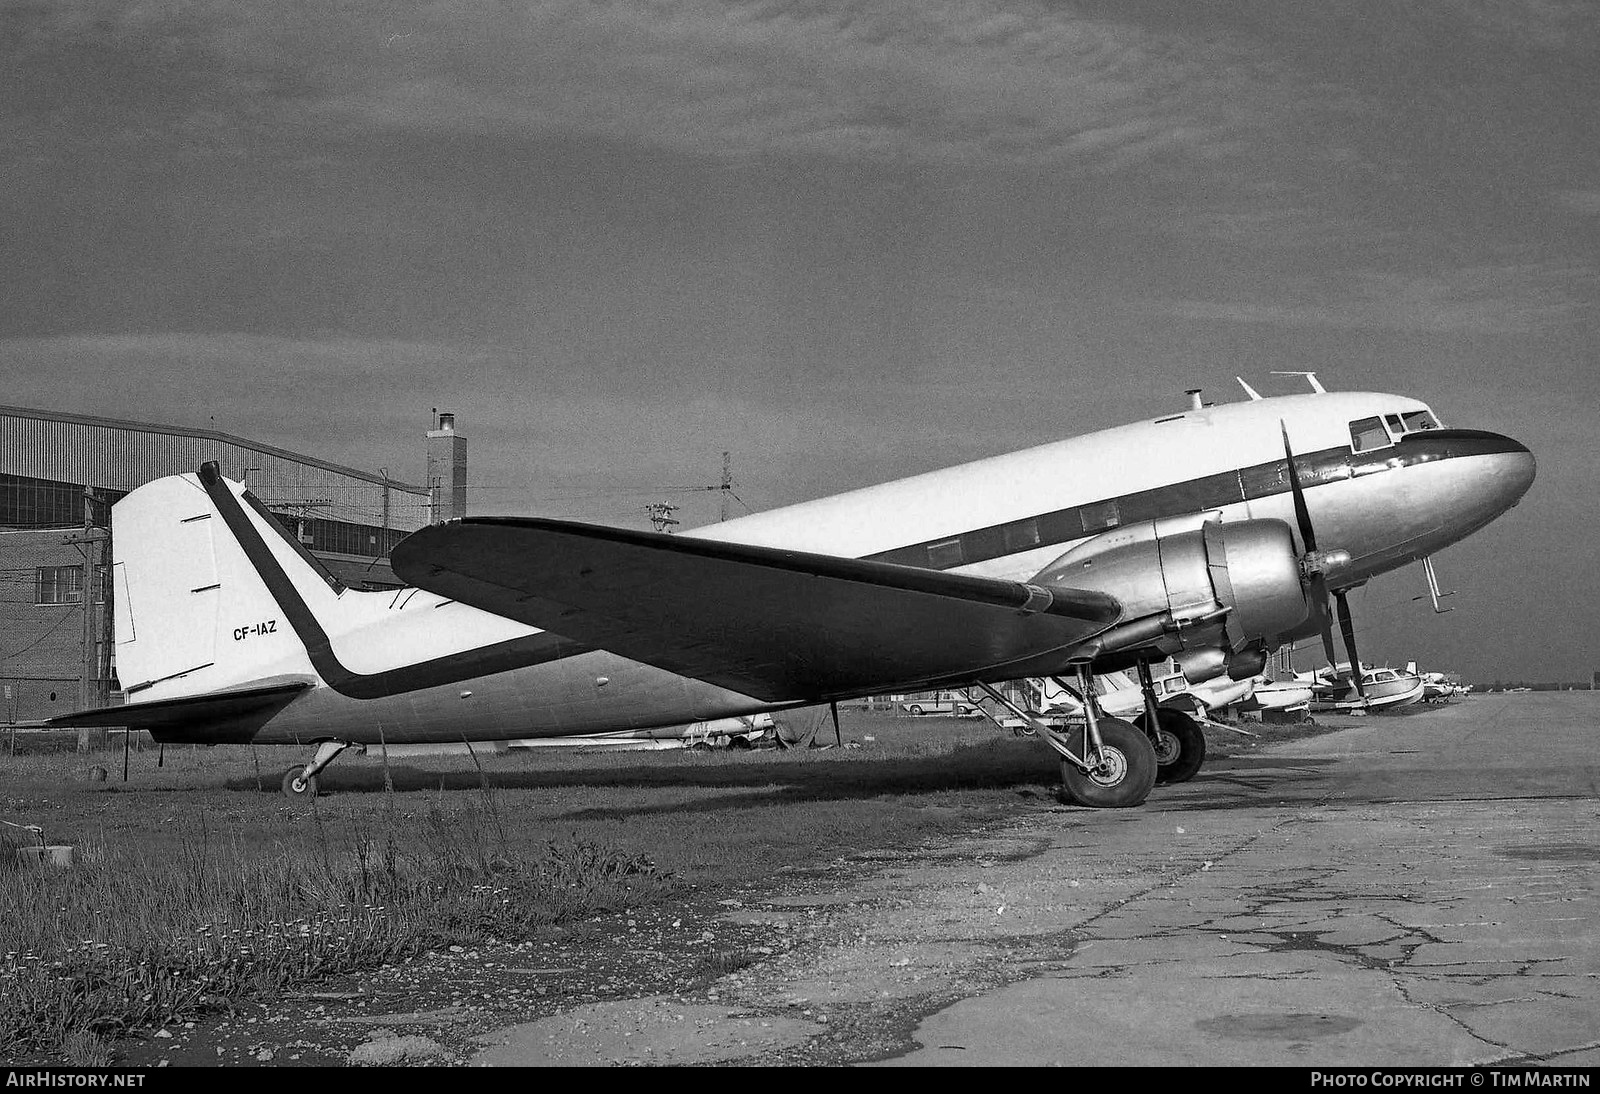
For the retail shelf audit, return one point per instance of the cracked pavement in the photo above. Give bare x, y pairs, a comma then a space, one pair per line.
1412, 891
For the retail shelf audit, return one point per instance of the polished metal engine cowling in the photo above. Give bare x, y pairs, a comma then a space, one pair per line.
1229, 585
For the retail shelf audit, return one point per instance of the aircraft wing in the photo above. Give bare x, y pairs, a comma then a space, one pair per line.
774, 624
190, 709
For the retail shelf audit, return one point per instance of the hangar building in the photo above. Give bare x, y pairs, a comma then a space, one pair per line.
60, 474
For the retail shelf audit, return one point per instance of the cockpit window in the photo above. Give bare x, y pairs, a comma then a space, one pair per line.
1420, 419
1367, 434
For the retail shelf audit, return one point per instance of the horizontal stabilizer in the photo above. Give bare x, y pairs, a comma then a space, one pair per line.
774, 624
190, 710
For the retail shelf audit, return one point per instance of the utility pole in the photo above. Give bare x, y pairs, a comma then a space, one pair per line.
86, 542
383, 548
87, 598
661, 515
727, 484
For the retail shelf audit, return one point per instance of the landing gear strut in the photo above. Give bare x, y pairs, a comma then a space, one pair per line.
300, 781
1124, 774
1108, 764
1179, 742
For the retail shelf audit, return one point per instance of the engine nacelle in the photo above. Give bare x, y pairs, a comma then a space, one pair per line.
1225, 585
1203, 663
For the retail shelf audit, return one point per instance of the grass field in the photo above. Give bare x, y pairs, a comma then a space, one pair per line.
197, 883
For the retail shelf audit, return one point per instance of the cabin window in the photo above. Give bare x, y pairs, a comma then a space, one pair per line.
945, 554
1022, 535
1396, 426
1060, 526
1419, 420
1099, 516
1145, 505
1367, 434
1264, 480
983, 543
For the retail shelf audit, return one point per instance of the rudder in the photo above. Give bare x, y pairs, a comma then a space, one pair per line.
193, 615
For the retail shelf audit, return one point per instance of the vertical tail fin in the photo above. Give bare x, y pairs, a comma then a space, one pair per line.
194, 614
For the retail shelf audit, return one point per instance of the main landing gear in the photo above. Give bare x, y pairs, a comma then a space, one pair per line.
1124, 773
300, 781
1106, 763
1179, 742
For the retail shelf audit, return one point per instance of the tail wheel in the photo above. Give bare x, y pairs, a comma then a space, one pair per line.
1125, 774
297, 784
1179, 743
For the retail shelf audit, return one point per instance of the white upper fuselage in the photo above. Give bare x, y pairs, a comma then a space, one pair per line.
1383, 520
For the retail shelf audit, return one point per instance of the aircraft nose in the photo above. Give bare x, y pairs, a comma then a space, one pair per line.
1511, 472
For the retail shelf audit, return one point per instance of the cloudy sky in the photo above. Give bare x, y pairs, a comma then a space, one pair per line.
842, 241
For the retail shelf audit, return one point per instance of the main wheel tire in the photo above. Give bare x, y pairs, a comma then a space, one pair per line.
1125, 775
1180, 745
296, 784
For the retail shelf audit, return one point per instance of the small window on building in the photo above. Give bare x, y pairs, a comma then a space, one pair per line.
59, 585
1367, 434
945, 554
1099, 516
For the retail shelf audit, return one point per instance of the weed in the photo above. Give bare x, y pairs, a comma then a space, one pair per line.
194, 891
132, 940
721, 961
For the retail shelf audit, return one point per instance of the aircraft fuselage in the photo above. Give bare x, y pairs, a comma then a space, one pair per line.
1383, 482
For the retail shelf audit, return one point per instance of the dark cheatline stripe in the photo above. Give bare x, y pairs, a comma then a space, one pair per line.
515, 653
959, 549
1261, 480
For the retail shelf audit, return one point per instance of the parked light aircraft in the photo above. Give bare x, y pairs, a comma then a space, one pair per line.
1209, 535
1380, 688
1278, 694
1120, 692
1439, 687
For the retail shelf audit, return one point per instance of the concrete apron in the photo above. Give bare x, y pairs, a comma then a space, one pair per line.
1408, 892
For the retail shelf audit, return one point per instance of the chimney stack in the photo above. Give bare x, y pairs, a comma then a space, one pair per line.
447, 470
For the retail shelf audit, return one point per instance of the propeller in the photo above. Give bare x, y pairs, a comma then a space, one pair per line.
1316, 561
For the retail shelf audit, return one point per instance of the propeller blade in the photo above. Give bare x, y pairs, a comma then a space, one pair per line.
1347, 631
1318, 583
1302, 515
1325, 627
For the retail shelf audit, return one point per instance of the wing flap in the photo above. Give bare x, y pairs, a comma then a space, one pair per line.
773, 624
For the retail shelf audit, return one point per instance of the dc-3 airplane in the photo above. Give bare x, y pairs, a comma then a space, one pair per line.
1210, 535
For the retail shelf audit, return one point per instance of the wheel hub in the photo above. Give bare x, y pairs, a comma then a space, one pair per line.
1112, 769
1167, 746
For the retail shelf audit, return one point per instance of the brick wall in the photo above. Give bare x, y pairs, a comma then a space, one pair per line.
41, 645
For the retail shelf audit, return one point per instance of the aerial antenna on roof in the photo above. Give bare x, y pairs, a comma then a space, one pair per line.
1311, 378
1255, 396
